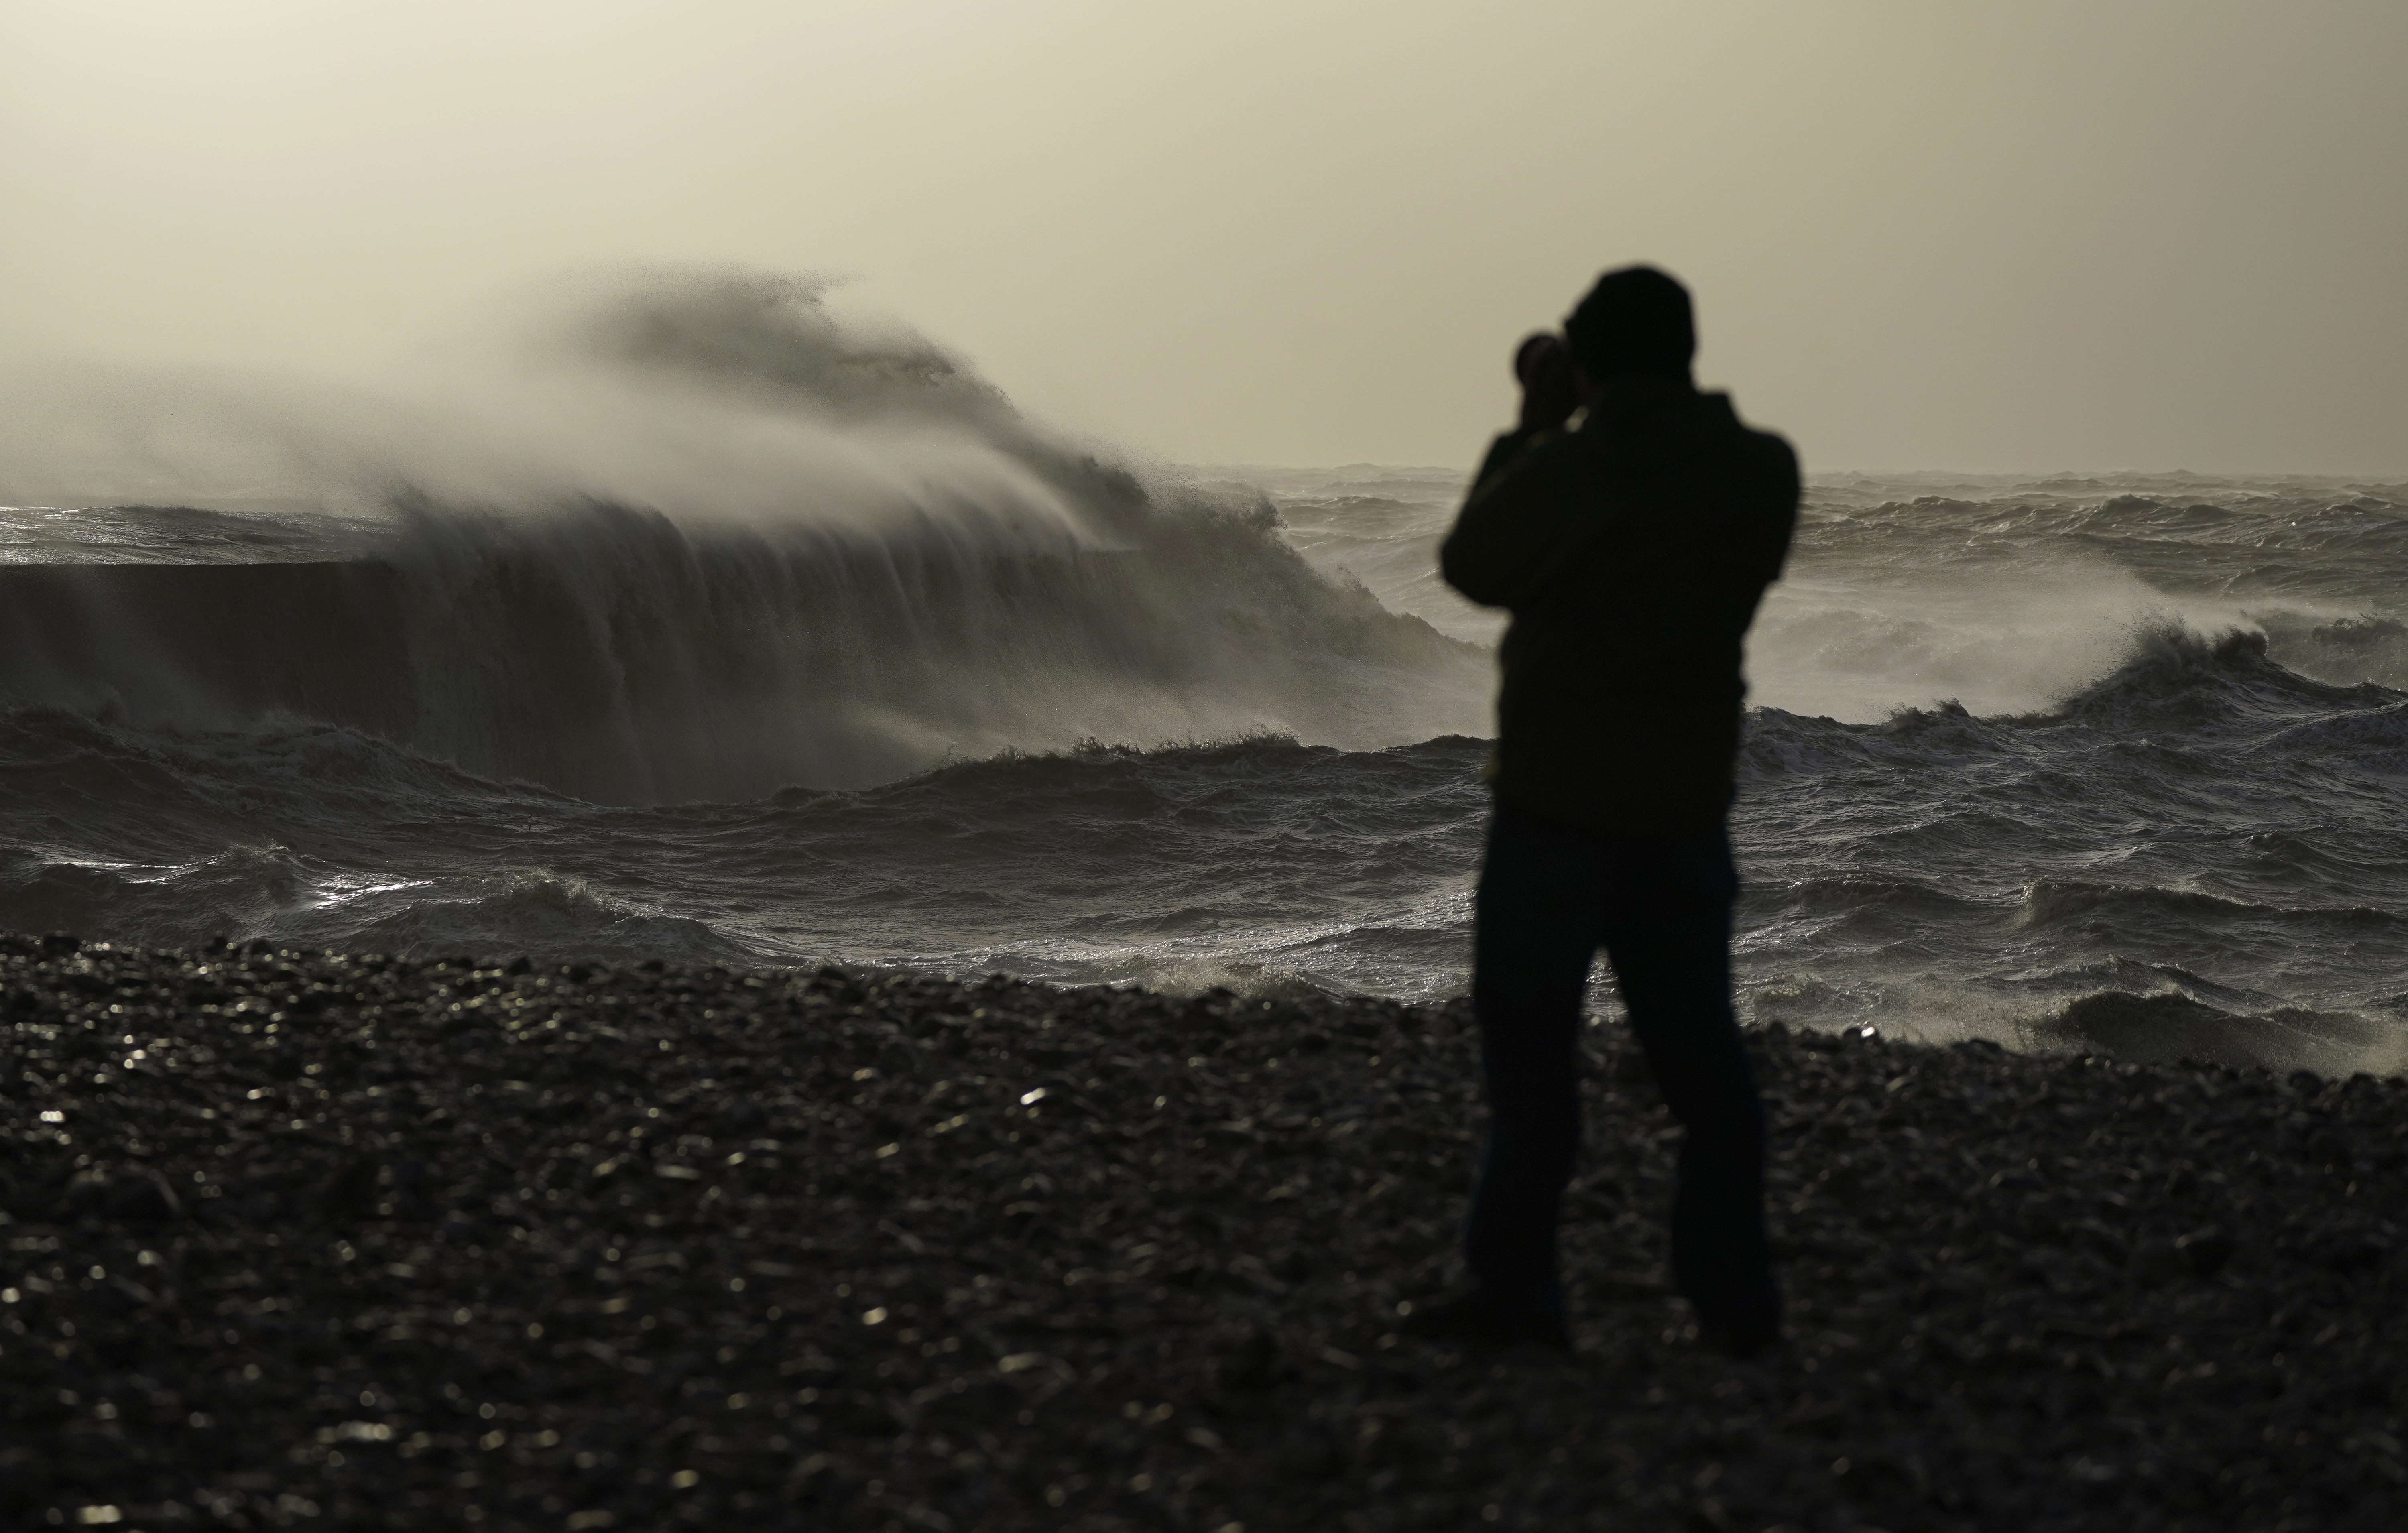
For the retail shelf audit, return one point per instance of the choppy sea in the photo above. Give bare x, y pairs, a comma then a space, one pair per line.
736, 634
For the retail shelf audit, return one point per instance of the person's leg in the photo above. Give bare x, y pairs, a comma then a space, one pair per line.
1668, 932
1535, 930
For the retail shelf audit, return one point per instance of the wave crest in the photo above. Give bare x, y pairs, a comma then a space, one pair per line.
742, 546
2170, 1027
2173, 676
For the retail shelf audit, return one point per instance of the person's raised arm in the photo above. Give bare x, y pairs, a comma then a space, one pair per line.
1524, 512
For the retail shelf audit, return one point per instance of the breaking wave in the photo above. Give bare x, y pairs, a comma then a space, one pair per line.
2175, 677
2171, 1027
748, 547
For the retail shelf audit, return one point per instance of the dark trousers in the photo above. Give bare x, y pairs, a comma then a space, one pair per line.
1550, 895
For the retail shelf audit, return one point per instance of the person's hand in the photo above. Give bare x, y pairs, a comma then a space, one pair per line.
1543, 364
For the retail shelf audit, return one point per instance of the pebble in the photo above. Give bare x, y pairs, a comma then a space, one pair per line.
307, 1240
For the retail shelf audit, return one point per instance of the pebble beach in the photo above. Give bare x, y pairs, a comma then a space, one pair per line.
319, 1241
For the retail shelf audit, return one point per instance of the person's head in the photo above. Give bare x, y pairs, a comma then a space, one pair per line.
1634, 320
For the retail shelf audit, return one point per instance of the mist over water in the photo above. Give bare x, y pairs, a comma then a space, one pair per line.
696, 540
690, 621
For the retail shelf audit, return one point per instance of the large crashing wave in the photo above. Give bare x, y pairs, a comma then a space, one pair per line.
713, 542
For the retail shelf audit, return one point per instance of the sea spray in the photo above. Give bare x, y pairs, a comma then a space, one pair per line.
730, 546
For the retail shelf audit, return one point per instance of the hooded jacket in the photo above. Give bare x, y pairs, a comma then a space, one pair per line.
1631, 553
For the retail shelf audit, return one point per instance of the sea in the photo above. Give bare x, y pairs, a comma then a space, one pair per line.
720, 628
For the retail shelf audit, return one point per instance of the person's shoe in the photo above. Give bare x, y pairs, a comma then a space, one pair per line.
1482, 1319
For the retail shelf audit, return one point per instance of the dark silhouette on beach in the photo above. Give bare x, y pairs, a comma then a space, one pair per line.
1632, 549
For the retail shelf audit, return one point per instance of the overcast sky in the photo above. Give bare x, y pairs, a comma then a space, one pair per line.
2036, 235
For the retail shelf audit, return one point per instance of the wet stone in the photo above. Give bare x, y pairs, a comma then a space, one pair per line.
300, 1239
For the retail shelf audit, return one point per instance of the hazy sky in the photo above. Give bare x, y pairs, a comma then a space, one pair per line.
2031, 236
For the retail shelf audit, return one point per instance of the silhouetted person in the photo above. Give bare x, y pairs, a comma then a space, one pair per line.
1631, 552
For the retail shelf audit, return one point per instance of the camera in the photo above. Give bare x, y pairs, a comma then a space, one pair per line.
1540, 355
